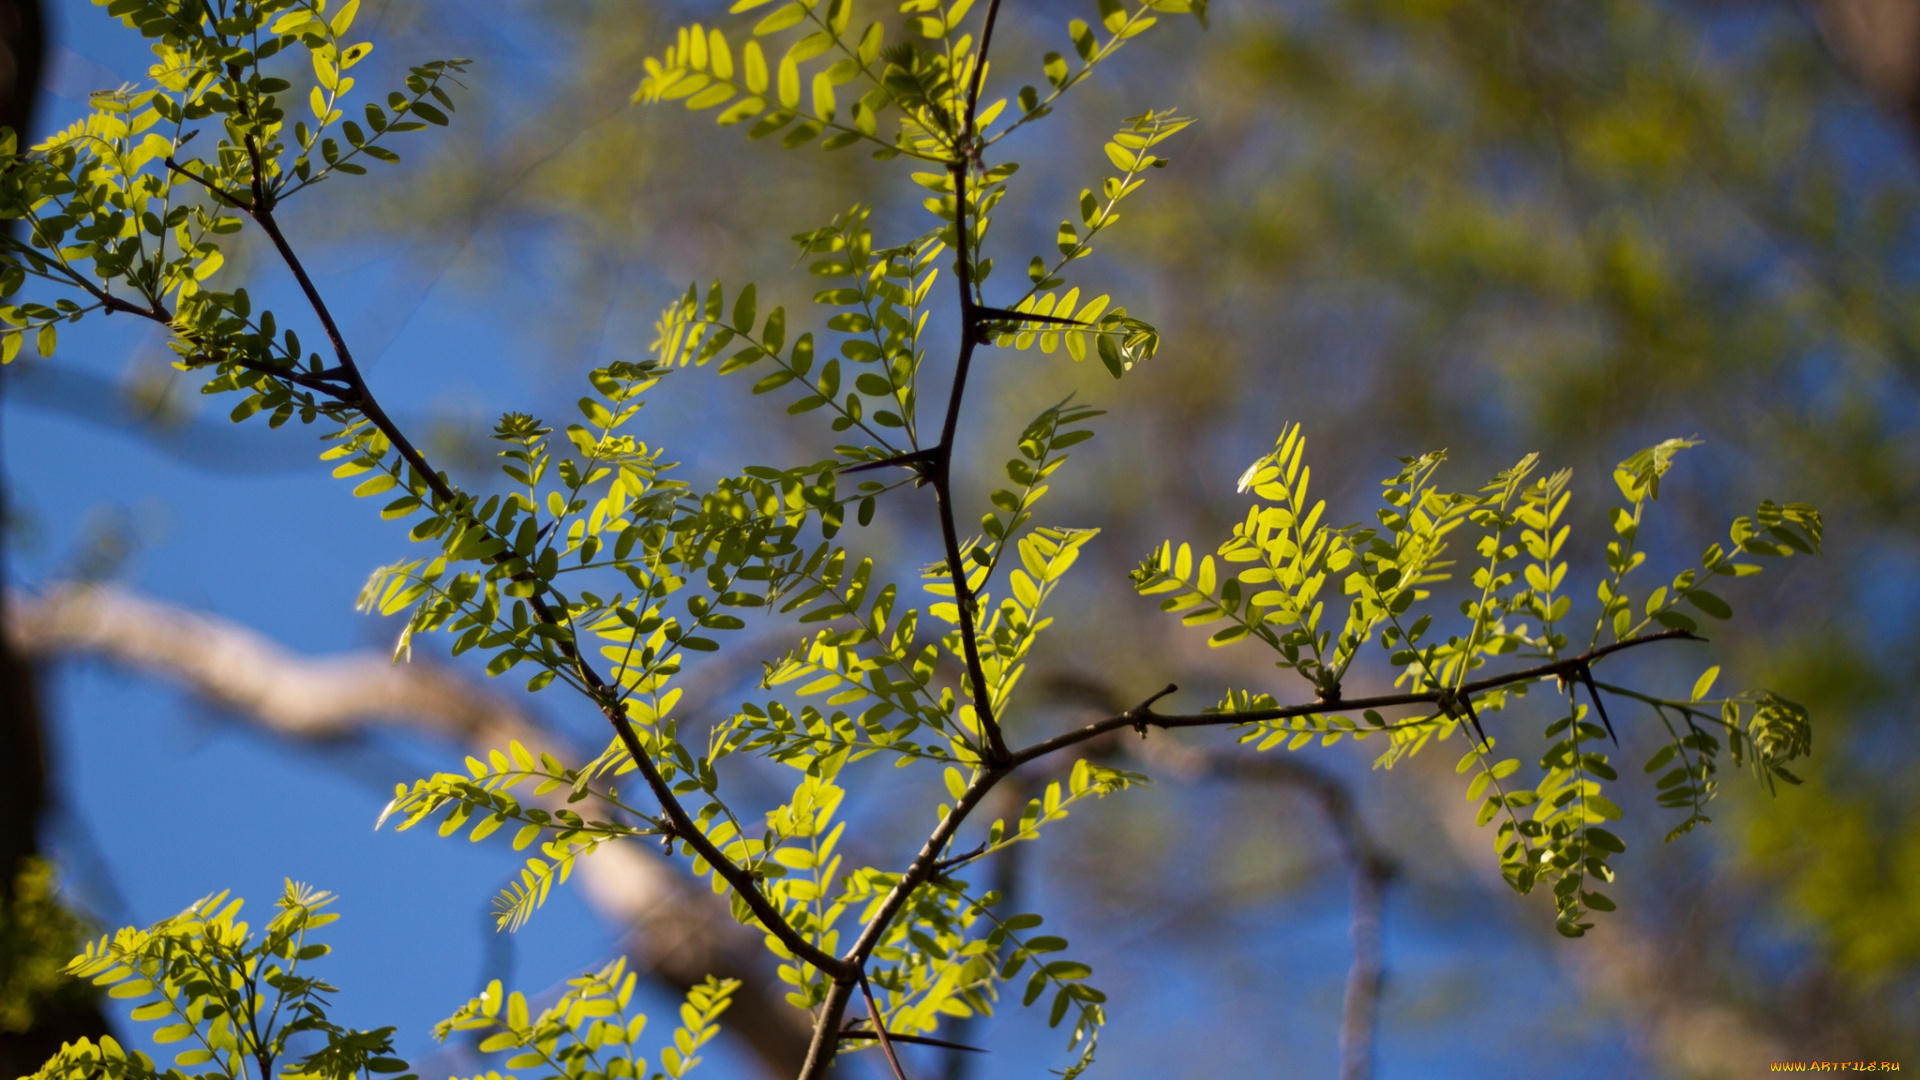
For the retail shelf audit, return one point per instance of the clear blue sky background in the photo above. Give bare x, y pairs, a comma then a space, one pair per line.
166, 801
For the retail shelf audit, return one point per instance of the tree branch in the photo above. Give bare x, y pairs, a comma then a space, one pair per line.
1143, 716
826, 1030
159, 314
686, 830
878, 1023
1007, 864
1369, 868
682, 932
940, 470
940, 473
997, 768
980, 69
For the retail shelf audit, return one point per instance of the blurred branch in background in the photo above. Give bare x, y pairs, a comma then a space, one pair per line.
1879, 41
681, 933
1369, 868
1585, 224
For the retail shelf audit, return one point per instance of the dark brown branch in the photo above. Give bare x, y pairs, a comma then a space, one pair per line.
979, 75
994, 314
1007, 864
875, 1021
1145, 716
917, 1040
938, 469
916, 460
741, 880
826, 1031
820, 1055
681, 932
940, 472
923, 864
218, 192
945, 865
314, 381
1370, 869
363, 398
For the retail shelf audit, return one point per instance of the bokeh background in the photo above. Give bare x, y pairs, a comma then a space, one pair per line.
1492, 226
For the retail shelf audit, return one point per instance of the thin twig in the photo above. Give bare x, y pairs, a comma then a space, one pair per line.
941, 470
1010, 315
1139, 717
218, 192
916, 460
1586, 676
916, 1040
880, 1028
1369, 869
980, 72
743, 882
1007, 864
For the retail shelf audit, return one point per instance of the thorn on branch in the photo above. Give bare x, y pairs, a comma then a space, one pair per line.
879, 1027
856, 1030
1585, 673
994, 314
918, 460
1454, 705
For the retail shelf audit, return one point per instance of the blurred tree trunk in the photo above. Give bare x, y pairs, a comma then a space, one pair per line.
1879, 42
30, 1031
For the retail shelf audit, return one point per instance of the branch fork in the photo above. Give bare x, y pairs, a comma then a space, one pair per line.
1142, 714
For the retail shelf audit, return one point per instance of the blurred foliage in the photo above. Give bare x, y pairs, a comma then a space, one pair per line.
37, 936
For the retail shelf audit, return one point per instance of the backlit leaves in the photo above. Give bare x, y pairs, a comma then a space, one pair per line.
588, 564
238, 1000
590, 1032
1553, 827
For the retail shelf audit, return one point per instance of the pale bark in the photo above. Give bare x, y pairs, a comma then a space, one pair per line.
681, 931
1879, 42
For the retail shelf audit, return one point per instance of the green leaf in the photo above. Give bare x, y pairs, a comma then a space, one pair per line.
1709, 603
743, 310
1705, 682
